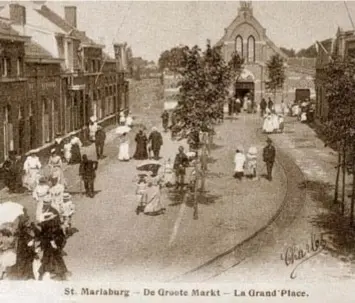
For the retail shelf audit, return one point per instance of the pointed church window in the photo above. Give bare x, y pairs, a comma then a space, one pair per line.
251, 49
239, 45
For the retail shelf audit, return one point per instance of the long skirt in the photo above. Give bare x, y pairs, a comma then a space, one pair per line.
154, 206
75, 154
123, 154
57, 172
31, 178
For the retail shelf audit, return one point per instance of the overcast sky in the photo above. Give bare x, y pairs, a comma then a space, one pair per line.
152, 27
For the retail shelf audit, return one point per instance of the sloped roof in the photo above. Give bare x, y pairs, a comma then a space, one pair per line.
34, 50
53, 17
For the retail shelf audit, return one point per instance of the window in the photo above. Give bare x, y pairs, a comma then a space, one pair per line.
6, 64
93, 66
239, 45
251, 49
19, 66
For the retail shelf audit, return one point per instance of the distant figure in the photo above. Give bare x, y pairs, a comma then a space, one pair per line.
180, 164
141, 152
129, 120
123, 153
122, 118
40, 192
58, 145
269, 154
239, 161
75, 150
12, 167
100, 142
32, 168
92, 128
56, 167
252, 162
156, 141
270, 104
283, 107
263, 106
238, 106
67, 150
165, 120
87, 171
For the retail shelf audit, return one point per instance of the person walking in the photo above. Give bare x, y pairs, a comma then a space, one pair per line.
141, 152
263, 106
75, 150
100, 142
92, 128
269, 154
239, 161
12, 168
180, 164
40, 192
165, 120
55, 166
87, 171
270, 104
156, 141
32, 168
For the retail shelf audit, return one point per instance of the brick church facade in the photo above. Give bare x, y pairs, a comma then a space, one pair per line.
246, 36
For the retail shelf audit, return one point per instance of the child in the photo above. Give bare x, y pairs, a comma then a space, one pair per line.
67, 150
169, 174
68, 212
141, 193
281, 124
252, 162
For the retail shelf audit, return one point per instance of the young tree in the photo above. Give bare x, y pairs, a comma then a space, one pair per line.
339, 83
173, 59
276, 74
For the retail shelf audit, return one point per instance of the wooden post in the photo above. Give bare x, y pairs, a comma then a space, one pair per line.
337, 179
344, 178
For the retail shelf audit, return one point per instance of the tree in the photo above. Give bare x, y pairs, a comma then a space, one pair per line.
289, 52
276, 74
173, 59
339, 84
310, 52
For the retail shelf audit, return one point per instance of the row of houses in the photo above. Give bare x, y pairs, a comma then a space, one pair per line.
53, 77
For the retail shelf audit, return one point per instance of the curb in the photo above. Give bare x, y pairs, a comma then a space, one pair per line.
292, 203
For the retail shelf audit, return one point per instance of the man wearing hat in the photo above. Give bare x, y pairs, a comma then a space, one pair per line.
100, 138
155, 140
87, 171
180, 164
269, 154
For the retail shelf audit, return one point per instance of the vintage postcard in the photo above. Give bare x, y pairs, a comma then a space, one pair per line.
177, 151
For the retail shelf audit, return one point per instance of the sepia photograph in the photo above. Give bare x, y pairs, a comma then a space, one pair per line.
192, 149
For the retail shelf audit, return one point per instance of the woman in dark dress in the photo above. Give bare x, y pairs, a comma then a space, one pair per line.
25, 252
52, 243
141, 147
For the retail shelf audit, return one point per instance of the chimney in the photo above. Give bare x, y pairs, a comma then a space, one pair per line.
18, 14
70, 15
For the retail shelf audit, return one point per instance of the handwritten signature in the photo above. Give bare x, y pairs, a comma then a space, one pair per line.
296, 255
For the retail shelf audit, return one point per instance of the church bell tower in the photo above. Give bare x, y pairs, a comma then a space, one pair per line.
245, 9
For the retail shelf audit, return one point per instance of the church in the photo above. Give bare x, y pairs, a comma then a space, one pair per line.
247, 36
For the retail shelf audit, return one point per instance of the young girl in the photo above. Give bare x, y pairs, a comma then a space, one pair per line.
68, 212
141, 193
67, 150
252, 162
169, 174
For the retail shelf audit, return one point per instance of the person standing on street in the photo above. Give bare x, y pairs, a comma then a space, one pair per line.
87, 171
269, 154
12, 167
239, 161
165, 120
156, 141
100, 138
270, 104
263, 106
180, 164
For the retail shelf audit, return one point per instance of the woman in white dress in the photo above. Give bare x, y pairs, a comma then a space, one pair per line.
129, 120
123, 154
154, 205
32, 168
92, 128
39, 193
67, 150
55, 165
275, 122
268, 125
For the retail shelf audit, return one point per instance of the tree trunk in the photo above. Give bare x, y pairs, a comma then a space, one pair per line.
195, 193
353, 191
336, 190
343, 178
203, 167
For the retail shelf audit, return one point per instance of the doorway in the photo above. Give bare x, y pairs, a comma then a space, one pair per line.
242, 89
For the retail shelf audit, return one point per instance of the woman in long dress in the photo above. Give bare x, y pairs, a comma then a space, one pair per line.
141, 147
32, 168
154, 205
67, 150
56, 167
75, 150
123, 154
268, 125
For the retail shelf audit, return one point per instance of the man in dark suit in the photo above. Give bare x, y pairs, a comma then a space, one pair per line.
269, 154
155, 141
100, 137
180, 164
87, 171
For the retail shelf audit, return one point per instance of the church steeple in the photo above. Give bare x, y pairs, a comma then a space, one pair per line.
245, 9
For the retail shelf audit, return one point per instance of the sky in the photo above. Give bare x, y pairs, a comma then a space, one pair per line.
151, 27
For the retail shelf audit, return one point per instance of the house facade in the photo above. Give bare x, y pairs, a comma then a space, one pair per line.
53, 78
246, 36
343, 46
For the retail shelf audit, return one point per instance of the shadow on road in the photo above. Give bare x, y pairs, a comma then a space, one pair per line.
339, 236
